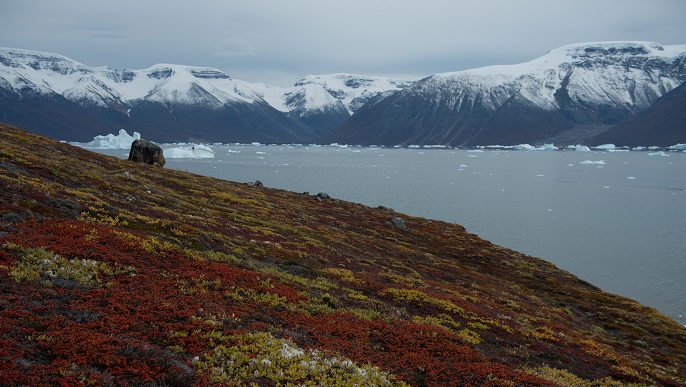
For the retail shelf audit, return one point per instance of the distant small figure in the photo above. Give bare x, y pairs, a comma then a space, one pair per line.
143, 151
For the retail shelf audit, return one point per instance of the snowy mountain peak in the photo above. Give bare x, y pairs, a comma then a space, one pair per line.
39, 61
352, 90
595, 49
629, 74
569, 94
162, 71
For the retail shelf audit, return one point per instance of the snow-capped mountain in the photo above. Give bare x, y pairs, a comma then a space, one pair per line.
566, 96
57, 96
323, 102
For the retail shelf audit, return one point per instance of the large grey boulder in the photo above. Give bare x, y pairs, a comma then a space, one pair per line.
143, 151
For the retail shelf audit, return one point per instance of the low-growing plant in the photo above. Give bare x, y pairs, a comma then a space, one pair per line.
249, 358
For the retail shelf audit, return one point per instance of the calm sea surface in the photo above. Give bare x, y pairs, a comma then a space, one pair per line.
615, 219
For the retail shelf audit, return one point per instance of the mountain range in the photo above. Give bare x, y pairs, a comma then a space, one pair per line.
585, 93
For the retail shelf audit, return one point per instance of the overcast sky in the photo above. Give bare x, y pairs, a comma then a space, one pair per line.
280, 41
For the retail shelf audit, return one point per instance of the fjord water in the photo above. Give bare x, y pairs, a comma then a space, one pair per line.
615, 219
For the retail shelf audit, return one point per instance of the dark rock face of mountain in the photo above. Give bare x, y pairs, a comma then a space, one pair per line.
51, 114
322, 119
567, 96
57, 117
238, 122
663, 124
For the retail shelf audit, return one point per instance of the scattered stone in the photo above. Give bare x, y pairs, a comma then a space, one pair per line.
389, 209
323, 195
143, 151
126, 175
399, 223
11, 217
258, 183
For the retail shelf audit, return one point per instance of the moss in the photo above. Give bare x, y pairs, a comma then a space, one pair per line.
39, 263
248, 358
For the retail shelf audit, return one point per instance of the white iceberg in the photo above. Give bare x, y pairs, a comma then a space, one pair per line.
111, 141
678, 147
189, 152
547, 147
582, 148
525, 147
528, 147
606, 147
599, 162
659, 153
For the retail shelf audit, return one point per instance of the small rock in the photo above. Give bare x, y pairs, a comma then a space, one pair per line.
323, 195
126, 175
389, 209
399, 223
258, 183
11, 217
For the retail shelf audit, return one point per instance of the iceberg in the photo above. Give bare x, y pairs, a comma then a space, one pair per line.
606, 147
547, 147
528, 147
658, 153
111, 141
582, 148
525, 147
189, 152
678, 147
599, 162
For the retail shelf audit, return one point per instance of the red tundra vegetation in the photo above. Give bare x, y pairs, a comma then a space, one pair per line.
116, 273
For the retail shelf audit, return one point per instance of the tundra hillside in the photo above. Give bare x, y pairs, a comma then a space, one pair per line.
115, 273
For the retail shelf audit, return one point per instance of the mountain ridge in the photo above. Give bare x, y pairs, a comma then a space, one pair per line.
229, 109
570, 95
578, 86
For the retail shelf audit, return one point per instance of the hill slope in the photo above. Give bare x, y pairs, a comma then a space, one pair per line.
114, 272
566, 96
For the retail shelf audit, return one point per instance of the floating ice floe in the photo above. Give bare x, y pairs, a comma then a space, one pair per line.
189, 152
111, 141
678, 147
611, 148
528, 147
599, 162
582, 148
605, 147
658, 153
